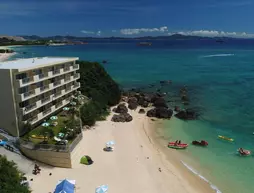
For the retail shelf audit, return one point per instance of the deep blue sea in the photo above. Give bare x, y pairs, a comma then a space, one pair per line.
220, 80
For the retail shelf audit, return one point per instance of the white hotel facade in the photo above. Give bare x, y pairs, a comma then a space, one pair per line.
33, 89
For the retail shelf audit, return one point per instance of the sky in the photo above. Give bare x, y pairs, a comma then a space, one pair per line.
127, 18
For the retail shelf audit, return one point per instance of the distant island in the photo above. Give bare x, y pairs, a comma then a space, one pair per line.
73, 40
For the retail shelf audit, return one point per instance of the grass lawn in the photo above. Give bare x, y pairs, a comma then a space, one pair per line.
63, 119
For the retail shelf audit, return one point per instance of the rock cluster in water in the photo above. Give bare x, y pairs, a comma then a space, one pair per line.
158, 105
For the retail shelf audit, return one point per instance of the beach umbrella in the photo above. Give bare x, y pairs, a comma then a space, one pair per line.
54, 118
45, 124
66, 108
101, 189
110, 143
65, 186
73, 103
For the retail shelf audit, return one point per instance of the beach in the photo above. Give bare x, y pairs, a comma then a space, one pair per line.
133, 166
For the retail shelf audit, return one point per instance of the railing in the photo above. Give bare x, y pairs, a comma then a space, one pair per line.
56, 72
76, 76
75, 66
57, 83
46, 111
41, 76
50, 147
67, 79
67, 89
27, 94
44, 88
57, 94
66, 69
45, 100
31, 120
27, 80
30, 107
76, 85
59, 104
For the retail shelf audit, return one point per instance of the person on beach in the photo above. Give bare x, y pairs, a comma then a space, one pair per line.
179, 143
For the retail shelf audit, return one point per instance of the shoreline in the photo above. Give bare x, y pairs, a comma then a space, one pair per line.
172, 160
6, 56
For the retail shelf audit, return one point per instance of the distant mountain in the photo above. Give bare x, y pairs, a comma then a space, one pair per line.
171, 37
11, 38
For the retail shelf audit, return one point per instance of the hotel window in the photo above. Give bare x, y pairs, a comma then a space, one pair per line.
21, 76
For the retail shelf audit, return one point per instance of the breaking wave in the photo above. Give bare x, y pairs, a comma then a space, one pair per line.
202, 177
217, 55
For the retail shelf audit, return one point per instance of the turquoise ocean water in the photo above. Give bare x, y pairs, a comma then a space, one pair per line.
220, 79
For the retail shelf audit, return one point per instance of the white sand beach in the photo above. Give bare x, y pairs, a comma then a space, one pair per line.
133, 167
5, 56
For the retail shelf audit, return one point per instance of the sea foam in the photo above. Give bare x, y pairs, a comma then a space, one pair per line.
217, 55
202, 177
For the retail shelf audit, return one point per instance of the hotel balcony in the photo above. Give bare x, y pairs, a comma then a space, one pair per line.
75, 66
46, 75
42, 115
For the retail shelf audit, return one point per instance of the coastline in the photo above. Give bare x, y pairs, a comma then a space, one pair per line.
6, 56
174, 157
132, 167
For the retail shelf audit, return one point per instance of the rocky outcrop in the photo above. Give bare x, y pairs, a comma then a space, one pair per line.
142, 111
125, 117
160, 102
187, 115
160, 112
121, 108
133, 103
177, 109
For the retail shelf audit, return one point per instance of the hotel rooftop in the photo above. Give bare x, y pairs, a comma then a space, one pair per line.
32, 63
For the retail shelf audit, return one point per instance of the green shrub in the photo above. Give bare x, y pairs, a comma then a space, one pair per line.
10, 177
97, 84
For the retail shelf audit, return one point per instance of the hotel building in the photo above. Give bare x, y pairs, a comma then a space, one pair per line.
34, 89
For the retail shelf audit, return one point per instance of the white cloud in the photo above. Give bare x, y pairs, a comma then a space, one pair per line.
214, 33
87, 32
133, 31
98, 33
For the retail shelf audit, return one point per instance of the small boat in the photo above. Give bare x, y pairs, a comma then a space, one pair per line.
177, 146
244, 153
225, 138
144, 44
200, 143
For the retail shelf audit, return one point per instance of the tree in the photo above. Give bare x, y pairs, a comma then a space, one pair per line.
103, 91
90, 112
11, 177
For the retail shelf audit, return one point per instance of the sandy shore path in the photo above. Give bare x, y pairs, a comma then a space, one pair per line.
132, 167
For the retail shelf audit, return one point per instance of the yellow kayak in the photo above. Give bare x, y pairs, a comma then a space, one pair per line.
225, 138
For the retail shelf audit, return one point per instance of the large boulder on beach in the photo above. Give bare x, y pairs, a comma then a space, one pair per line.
160, 112
132, 106
145, 104
133, 100
142, 111
121, 108
160, 102
125, 117
187, 115
132, 103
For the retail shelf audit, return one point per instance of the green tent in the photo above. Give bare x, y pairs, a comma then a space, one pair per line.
86, 160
